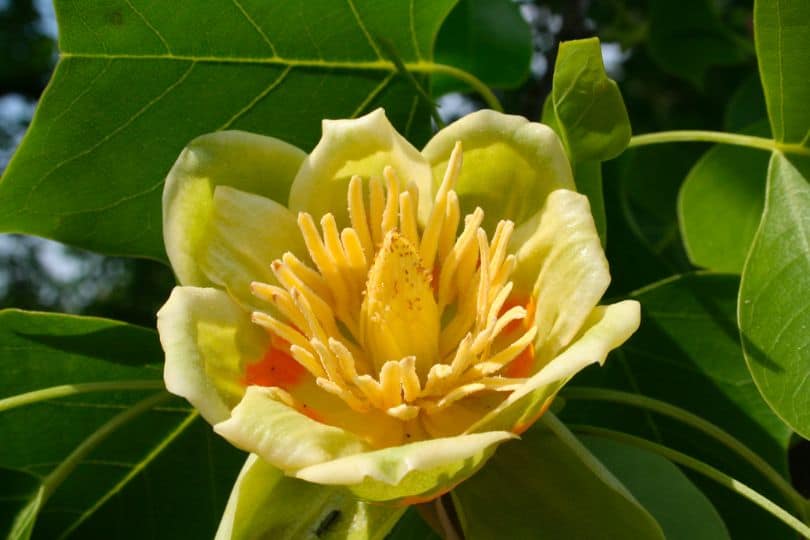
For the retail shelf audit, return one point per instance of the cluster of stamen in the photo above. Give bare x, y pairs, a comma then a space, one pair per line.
394, 318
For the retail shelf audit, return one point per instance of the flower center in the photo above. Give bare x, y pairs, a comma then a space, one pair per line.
392, 316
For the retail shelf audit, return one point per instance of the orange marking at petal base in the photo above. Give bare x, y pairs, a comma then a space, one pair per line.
421, 499
276, 368
522, 427
522, 365
311, 413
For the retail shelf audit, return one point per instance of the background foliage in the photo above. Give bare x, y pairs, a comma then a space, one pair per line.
711, 239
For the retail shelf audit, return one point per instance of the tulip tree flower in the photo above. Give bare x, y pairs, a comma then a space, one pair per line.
375, 317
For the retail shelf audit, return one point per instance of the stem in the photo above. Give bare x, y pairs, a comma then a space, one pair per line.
697, 422
692, 135
482, 89
448, 530
703, 468
65, 390
60, 473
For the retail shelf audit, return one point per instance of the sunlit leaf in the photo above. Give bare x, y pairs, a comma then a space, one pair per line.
138, 80
782, 32
775, 295
586, 107
720, 204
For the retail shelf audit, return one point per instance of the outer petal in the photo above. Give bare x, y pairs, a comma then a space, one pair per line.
208, 339
423, 469
264, 503
361, 146
245, 234
558, 252
282, 436
510, 164
606, 328
249, 162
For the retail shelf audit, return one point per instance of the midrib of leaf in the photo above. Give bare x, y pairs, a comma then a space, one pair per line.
420, 66
135, 469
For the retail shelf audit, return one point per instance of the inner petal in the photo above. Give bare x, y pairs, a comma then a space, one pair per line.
399, 317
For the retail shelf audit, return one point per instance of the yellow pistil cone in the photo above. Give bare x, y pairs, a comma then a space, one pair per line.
399, 317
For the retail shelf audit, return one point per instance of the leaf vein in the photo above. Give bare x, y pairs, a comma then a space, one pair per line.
256, 99
109, 135
363, 29
150, 26
373, 94
256, 26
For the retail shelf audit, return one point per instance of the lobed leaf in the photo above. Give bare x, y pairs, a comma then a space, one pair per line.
136, 81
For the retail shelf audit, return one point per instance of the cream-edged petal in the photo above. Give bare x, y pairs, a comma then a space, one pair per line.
605, 329
245, 234
421, 469
510, 164
281, 435
560, 257
362, 146
208, 339
373, 426
252, 163
264, 503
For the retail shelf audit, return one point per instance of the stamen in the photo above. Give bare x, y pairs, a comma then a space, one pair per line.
366, 318
389, 217
357, 213
376, 203
407, 218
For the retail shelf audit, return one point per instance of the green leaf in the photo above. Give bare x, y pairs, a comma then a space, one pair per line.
687, 38
720, 204
746, 106
586, 108
19, 504
681, 509
782, 36
549, 482
266, 504
488, 38
687, 353
641, 189
137, 80
588, 177
162, 463
775, 294
412, 527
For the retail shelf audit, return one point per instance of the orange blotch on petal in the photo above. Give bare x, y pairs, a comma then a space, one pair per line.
276, 368
523, 426
522, 365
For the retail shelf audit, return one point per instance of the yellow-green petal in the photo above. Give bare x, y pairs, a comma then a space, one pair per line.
362, 146
560, 257
208, 339
252, 163
510, 164
264, 503
605, 329
418, 470
245, 234
282, 436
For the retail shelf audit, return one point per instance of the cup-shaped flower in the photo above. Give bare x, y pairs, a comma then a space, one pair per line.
376, 317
